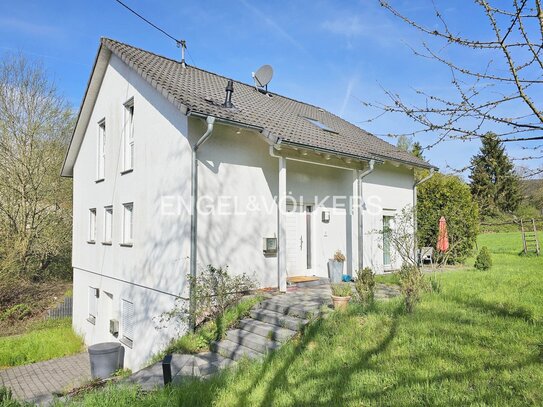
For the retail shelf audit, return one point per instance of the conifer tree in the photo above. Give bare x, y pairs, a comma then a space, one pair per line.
494, 183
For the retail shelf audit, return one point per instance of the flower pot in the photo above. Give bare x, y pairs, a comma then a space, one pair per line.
340, 302
335, 271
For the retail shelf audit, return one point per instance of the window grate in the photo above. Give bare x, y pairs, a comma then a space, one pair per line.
127, 321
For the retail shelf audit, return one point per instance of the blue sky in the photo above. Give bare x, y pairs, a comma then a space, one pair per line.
331, 54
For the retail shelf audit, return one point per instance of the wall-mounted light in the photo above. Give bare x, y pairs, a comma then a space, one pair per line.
326, 216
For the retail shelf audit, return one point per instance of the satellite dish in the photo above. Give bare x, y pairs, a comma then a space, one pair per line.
263, 76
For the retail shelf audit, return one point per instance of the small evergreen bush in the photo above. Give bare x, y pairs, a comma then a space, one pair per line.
483, 260
365, 286
412, 283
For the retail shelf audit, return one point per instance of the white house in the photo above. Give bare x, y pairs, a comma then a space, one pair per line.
155, 136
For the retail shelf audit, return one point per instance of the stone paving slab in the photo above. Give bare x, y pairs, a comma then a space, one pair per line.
37, 382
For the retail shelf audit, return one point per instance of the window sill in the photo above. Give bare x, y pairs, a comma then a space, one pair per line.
99, 180
91, 242
106, 243
92, 320
127, 342
128, 171
126, 244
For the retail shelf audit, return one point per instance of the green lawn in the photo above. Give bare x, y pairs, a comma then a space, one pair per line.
477, 342
45, 340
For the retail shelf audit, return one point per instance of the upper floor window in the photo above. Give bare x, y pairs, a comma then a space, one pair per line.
92, 225
108, 224
101, 151
128, 138
128, 210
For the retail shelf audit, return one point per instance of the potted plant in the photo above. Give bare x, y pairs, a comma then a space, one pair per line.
341, 295
335, 267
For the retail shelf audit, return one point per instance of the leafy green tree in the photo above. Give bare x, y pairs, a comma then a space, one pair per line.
494, 183
449, 196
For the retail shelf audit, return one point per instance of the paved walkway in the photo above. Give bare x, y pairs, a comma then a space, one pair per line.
38, 382
272, 322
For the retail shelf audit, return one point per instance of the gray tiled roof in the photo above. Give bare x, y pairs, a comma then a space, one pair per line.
279, 117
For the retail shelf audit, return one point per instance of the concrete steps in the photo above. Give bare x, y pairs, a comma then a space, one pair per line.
252, 340
232, 350
266, 330
304, 310
281, 320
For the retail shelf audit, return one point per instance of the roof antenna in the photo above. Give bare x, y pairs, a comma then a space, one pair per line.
183, 45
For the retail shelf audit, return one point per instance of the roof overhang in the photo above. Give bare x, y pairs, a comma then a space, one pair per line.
85, 111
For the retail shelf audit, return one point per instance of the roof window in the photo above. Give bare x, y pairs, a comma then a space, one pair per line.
319, 124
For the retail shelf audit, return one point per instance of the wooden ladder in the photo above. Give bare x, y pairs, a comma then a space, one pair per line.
529, 239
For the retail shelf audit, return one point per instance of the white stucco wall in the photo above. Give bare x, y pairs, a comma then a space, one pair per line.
386, 191
152, 271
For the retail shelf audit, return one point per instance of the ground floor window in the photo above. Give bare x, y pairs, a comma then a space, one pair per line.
387, 226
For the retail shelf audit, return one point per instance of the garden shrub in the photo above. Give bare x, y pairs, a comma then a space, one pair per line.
449, 196
483, 260
365, 285
412, 284
214, 290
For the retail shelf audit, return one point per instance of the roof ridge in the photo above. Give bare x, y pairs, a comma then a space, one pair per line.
226, 77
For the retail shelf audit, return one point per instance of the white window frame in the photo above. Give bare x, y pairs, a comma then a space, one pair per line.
92, 225
128, 136
101, 151
108, 225
93, 294
128, 224
127, 322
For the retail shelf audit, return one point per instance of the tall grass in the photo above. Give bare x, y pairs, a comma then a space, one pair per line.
46, 340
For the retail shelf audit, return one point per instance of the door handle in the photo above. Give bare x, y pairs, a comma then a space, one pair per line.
301, 242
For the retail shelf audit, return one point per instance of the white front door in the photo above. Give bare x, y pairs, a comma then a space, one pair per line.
298, 230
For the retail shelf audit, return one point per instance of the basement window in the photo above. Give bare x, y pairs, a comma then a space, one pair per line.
93, 304
319, 124
127, 323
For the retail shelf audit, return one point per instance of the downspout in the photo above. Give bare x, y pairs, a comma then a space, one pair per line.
415, 185
281, 234
194, 215
361, 215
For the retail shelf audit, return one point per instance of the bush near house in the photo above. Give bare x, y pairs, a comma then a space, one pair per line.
365, 286
449, 196
478, 342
